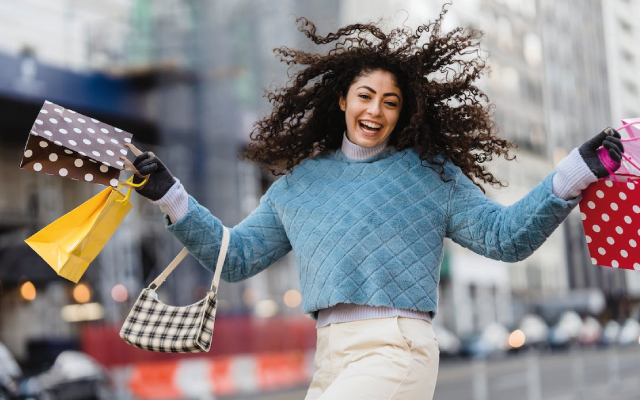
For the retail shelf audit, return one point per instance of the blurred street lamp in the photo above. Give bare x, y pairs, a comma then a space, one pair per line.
266, 308
119, 293
516, 339
81, 293
28, 291
292, 298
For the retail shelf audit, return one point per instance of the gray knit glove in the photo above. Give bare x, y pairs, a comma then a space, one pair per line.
611, 154
160, 178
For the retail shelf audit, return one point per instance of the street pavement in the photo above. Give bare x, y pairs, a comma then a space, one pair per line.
580, 374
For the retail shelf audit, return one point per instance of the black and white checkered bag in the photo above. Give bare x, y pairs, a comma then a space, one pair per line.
153, 325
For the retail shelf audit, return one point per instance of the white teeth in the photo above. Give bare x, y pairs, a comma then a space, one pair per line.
371, 125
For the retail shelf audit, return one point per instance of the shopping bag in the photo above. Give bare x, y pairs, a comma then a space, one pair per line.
610, 211
70, 243
629, 166
68, 144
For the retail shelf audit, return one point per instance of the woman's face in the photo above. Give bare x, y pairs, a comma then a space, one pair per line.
371, 108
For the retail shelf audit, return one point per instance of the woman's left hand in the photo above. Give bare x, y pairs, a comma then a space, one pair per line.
609, 139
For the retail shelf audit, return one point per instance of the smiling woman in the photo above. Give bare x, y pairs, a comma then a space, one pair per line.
383, 141
372, 108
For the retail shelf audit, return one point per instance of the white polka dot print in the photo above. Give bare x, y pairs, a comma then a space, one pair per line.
615, 264
596, 228
608, 183
610, 240
605, 217
633, 243
619, 230
636, 209
623, 196
624, 253
631, 186
614, 206
591, 205
588, 238
75, 136
600, 193
636, 266
602, 251
594, 261
627, 219
583, 216
114, 182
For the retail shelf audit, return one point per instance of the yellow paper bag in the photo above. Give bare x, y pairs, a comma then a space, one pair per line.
70, 243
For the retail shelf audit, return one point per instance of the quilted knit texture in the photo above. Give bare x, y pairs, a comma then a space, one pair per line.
371, 231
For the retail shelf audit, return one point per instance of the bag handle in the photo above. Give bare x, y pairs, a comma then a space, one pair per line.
183, 253
626, 128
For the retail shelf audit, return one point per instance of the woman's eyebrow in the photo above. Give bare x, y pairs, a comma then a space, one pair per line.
374, 92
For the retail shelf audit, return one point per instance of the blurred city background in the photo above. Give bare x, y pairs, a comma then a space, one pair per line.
187, 78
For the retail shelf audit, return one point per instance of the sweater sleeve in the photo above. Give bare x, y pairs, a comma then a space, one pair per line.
505, 233
255, 243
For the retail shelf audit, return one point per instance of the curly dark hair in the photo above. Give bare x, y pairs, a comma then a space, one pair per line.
445, 116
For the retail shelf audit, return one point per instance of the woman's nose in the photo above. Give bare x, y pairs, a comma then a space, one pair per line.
374, 109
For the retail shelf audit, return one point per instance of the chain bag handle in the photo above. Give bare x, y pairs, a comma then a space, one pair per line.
216, 277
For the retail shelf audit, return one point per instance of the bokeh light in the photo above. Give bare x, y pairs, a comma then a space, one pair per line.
119, 293
28, 291
292, 298
81, 293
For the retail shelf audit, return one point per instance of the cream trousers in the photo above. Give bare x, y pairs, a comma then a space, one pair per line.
376, 359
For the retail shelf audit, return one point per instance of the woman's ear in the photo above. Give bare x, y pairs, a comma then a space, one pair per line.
343, 103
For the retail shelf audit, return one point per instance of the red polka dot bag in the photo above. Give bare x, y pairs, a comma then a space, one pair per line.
65, 143
610, 209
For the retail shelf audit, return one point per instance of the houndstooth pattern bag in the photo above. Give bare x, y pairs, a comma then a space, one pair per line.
155, 326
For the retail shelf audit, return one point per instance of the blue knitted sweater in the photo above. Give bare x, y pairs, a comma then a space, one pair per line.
371, 232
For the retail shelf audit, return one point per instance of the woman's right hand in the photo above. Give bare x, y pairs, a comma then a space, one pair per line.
160, 178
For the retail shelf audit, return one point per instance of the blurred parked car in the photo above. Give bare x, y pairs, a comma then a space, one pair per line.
590, 332
629, 333
491, 342
10, 374
73, 376
566, 330
610, 333
448, 342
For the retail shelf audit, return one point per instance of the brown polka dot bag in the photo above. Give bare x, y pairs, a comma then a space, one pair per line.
65, 143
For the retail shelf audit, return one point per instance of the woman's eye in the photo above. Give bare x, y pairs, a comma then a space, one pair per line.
391, 104
364, 96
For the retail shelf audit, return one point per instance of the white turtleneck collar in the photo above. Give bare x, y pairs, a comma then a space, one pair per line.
355, 152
